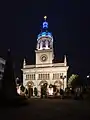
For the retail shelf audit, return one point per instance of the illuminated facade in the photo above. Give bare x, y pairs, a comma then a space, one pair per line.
45, 70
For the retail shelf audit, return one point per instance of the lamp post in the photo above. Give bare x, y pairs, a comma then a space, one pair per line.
63, 78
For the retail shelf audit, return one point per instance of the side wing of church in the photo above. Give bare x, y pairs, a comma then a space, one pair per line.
45, 70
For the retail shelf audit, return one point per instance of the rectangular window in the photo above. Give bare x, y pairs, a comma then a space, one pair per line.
34, 76
46, 76
39, 76
56, 76
30, 77
53, 76
27, 77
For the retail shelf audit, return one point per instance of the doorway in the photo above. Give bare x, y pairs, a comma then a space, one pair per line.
30, 92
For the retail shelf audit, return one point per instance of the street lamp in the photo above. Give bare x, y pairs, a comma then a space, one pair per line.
63, 77
88, 78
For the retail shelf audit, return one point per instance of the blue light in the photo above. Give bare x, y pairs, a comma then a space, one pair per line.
45, 25
47, 34
43, 33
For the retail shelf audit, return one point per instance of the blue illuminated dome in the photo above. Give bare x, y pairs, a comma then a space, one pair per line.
45, 32
45, 38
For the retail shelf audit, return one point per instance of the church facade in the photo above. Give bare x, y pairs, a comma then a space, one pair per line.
45, 70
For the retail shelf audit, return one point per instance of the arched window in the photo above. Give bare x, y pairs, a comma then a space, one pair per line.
49, 44
39, 45
44, 43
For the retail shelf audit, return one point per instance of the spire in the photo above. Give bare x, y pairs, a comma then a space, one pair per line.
45, 17
42, 42
65, 60
45, 23
24, 63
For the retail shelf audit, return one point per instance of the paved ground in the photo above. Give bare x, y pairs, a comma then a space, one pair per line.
48, 109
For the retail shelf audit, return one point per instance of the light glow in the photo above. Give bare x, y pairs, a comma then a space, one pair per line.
88, 76
50, 90
45, 17
18, 90
45, 25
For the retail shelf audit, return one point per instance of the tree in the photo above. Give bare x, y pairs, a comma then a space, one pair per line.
76, 81
72, 80
22, 88
8, 81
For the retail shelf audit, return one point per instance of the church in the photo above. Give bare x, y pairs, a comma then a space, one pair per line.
45, 70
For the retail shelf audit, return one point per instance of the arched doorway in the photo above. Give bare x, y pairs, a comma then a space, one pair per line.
30, 85
58, 85
43, 86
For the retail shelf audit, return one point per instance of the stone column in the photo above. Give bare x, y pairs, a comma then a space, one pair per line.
47, 89
65, 83
39, 90
37, 45
33, 91
46, 44
41, 44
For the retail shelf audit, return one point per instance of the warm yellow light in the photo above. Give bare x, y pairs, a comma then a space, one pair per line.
45, 17
18, 90
50, 90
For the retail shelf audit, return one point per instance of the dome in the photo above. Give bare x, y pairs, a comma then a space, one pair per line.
44, 34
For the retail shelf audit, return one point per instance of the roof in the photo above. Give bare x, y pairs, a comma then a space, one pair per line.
44, 65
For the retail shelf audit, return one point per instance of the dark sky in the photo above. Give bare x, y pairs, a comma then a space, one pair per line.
69, 22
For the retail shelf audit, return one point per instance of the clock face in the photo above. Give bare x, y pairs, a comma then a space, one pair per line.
43, 58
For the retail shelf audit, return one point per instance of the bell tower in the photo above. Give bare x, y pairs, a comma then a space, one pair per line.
44, 47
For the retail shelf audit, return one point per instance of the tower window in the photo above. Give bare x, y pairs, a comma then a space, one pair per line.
39, 45
44, 43
27, 77
48, 44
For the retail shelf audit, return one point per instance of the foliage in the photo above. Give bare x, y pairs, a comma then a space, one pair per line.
8, 80
76, 81
72, 79
22, 88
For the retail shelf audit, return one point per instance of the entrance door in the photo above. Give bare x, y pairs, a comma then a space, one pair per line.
44, 90
30, 92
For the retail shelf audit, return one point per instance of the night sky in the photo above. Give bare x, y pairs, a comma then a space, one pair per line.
69, 22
